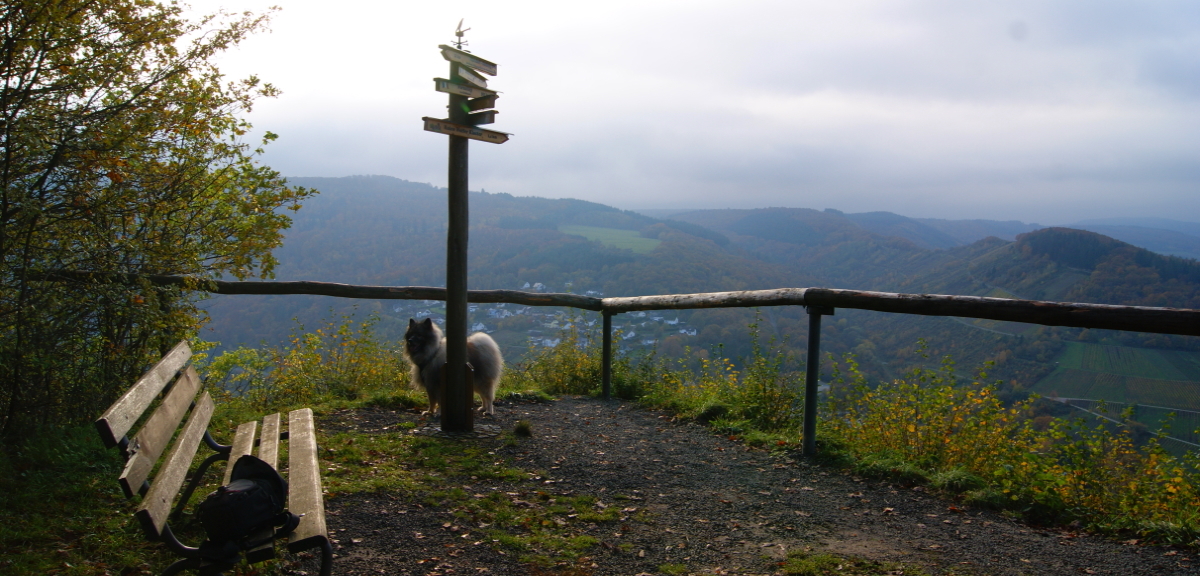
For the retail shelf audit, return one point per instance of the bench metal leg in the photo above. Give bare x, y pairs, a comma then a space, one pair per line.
326, 557
216, 446
191, 487
181, 565
179, 548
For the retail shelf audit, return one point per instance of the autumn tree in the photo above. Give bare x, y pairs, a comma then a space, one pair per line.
121, 151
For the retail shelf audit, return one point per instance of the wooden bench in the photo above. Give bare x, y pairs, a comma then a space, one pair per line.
178, 385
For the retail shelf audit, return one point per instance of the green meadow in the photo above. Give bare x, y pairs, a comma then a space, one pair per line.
1169, 378
614, 237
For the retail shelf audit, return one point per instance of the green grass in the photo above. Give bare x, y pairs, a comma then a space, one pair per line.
614, 237
1127, 361
1072, 356
1188, 363
801, 563
1168, 378
1001, 293
62, 512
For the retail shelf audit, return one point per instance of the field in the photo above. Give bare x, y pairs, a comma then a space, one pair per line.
614, 237
1169, 378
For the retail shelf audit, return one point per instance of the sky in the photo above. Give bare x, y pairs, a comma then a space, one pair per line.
1046, 111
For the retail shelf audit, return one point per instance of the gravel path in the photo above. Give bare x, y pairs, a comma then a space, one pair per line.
708, 503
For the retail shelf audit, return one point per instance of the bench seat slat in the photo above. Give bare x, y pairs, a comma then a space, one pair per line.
304, 482
152, 439
157, 504
243, 443
124, 413
268, 446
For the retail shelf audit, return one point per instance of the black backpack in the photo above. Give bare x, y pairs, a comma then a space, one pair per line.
253, 500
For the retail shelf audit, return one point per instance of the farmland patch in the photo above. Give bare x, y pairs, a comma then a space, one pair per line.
615, 237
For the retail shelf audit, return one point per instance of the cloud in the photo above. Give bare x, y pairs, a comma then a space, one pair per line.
1027, 110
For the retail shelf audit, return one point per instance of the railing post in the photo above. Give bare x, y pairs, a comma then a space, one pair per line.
812, 372
606, 356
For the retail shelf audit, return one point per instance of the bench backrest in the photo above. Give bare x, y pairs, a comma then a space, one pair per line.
177, 382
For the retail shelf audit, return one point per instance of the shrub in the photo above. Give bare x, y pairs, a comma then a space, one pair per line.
341, 360
965, 440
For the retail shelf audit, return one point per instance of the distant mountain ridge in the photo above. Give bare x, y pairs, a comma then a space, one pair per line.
1162, 241
1161, 235
1189, 228
385, 231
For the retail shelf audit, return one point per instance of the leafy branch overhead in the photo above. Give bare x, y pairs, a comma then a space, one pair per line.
123, 150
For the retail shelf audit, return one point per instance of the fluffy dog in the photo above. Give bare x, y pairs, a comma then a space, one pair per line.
425, 349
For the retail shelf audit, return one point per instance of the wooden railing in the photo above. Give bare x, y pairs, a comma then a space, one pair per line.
818, 302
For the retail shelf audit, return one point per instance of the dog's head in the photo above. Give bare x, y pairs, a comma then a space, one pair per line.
422, 339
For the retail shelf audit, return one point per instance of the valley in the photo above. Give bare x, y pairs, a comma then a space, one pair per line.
385, 231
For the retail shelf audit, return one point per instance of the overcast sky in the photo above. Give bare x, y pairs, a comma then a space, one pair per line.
1045, 111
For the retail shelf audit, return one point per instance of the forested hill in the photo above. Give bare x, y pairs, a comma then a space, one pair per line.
385, 231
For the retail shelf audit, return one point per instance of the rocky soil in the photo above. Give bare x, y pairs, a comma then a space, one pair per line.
701, 500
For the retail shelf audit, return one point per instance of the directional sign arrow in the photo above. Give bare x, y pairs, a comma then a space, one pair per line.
468, 59
485, 117
470, 76
444, 85
482, 103
444, 127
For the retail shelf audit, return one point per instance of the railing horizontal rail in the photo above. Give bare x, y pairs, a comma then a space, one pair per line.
1181, 321
818, 301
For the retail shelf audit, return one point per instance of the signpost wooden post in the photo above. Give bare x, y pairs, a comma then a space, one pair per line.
471, 104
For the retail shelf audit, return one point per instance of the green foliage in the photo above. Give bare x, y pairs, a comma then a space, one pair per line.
574, 366
341, 360
964, 440
122, 154
764, 397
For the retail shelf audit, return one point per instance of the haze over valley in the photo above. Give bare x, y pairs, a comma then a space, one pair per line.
379, 230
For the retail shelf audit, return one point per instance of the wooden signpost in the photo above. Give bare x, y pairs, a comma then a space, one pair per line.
450, 129
471, 104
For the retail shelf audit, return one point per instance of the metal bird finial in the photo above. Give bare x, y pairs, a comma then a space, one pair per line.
459, 43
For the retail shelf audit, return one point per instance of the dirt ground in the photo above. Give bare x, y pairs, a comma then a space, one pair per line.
707, 503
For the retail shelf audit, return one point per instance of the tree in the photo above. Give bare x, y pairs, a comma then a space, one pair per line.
121, 151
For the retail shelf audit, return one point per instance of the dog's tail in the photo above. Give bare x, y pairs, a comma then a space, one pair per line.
486, 359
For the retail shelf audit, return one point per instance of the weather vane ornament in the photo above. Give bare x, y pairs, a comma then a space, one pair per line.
458, 32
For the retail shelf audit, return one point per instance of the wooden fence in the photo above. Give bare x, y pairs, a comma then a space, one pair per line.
818, 302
